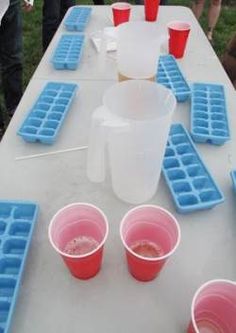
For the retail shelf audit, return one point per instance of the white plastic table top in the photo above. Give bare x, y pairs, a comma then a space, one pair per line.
93, 66
50, 299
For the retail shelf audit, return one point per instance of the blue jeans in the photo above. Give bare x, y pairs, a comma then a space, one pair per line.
53, 13
11, 58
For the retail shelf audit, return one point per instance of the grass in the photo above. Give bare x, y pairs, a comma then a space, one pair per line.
32, 40
32, 31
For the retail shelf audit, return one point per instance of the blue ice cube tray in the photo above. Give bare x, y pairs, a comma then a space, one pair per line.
233, 177
170, 75
45, 118
68, 52
78, 18
17, 220
190, 183
209, 121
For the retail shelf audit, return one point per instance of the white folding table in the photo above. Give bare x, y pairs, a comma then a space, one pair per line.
50, 299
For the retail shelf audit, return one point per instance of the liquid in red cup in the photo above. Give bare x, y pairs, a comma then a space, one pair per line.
178, 36
150, 235
213, 308
78, 233
151, 8
121, 12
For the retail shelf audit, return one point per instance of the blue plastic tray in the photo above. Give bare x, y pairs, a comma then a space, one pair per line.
233, 177
188, 179
169, 75
68, 52
78, 18
47, 115
209, 121
17, 220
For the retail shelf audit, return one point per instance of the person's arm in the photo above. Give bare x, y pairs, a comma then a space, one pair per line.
4, 4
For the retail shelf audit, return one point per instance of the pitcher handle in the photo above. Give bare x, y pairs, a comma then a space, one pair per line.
96, 147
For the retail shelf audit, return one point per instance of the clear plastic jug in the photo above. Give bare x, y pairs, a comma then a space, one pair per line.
133, 124
138, 50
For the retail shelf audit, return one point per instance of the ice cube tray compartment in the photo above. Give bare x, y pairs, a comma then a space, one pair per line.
78, 18
233, 178
209, 120
68, 52
45, 118
170, 75
189, 181
17, 221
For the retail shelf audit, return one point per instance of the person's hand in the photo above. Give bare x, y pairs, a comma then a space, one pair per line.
27, 7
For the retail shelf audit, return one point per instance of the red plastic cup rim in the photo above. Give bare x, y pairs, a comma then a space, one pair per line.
121, 5
179, 25
78, 256
153, 259
208, 283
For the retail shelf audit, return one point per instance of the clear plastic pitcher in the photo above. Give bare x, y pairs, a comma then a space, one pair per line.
133, 124
138, 50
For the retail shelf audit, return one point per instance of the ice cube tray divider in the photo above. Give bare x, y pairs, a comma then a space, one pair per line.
190, 183
233, 178
17, 221
170, 75
46, 116
78, 18
209, 119
68, 52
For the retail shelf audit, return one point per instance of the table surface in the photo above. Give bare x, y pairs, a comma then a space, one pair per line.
50, 299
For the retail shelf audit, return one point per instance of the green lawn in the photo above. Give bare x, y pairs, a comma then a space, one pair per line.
32, 32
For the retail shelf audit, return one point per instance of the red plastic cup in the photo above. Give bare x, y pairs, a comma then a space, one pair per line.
178, 36
150, 235
84, 224
151, 9
121, 12
213, 308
